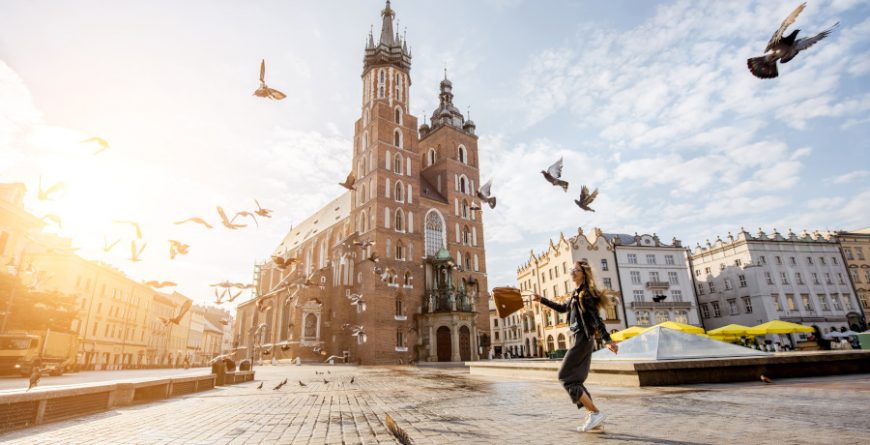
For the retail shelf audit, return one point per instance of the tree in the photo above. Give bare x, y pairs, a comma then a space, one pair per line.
28, 310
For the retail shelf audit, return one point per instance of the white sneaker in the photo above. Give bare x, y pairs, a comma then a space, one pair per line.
593, 421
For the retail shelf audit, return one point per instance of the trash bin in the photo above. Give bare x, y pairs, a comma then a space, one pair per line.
219, 369
245, 365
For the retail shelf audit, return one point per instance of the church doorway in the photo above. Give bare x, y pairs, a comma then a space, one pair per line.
464, 344
443, 344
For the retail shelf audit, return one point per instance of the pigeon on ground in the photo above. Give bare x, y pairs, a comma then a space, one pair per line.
352, 379
264, 90
35, 375
766, 380
349, 182
586, 198
397, 432
302, 384
325, 382
261, 386
279, 386
484, 193
553, 175
784, 48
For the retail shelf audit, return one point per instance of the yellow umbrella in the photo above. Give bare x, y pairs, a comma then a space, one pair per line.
625, 334
680, 327
779, 327
732, 330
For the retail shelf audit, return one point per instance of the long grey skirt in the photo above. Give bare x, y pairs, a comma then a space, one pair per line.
575, 367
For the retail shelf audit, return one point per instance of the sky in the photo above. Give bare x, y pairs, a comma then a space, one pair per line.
650, 102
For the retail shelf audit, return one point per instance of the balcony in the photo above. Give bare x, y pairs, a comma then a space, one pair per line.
446, 301
673, 305
658, 285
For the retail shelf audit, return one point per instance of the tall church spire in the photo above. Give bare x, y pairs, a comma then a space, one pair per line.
387, 37
391, 48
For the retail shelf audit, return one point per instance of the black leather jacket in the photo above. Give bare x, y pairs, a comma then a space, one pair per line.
589, 322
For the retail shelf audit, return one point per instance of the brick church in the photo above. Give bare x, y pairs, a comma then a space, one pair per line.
425, 299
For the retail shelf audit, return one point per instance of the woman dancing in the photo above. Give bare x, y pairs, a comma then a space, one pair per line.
584, 319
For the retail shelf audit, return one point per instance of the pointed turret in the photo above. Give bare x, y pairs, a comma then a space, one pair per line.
391, 48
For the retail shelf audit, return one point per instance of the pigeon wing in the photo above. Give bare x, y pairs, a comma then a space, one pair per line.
263, 70
785, 24
555, 170
803, 44
484, 190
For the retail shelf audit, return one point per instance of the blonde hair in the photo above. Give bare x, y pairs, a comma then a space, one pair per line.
602, 302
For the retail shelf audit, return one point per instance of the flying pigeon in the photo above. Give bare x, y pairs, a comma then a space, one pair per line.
586, 198
349, 182
485, 195
783, 48
265, 213
659, 298
553, 173
45, 194
104, 145
265, 91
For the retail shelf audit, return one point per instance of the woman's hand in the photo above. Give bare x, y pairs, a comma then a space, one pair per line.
536, 298
613, 347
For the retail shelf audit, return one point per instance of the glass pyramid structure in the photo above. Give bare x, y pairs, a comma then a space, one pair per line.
667, 344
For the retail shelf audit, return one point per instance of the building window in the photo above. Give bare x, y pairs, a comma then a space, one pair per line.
834, 260
399, 194
840, 278
822, 260
635, 277
669, 260
776, 303
742, 279
707, 270
638, 296
835, 299
810, 260
763, 259
847, 302
778, 260
650, 259
732, 306
798, 278
642, 318
738, 262
681, 317
463, 156
654, 277
789, 301
815, 278
705, 311
673, 278
747, 304
561, 341
400, 250
792, 260
677, 295
848, 252
823, 299
769, 278
712, 287
700, 288
661, 316
434, 233
828, 279
604, 264
397, 138
607, 283
463, 184
716, 311
860, 252
398, 165
398, 115
632, 258
783, 277
697, 272
808, 305
381, 82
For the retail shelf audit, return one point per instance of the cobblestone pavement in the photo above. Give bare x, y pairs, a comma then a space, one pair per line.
441, 406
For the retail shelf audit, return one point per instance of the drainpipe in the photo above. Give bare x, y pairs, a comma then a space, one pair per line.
621, 290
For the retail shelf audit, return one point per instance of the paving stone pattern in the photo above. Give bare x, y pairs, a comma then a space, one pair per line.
448, 406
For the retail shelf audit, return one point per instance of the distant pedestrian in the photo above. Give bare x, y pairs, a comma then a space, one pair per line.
584, 319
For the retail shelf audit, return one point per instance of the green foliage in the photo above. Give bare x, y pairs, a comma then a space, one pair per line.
35, 311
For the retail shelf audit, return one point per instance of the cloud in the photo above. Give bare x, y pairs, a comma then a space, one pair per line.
849, 177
